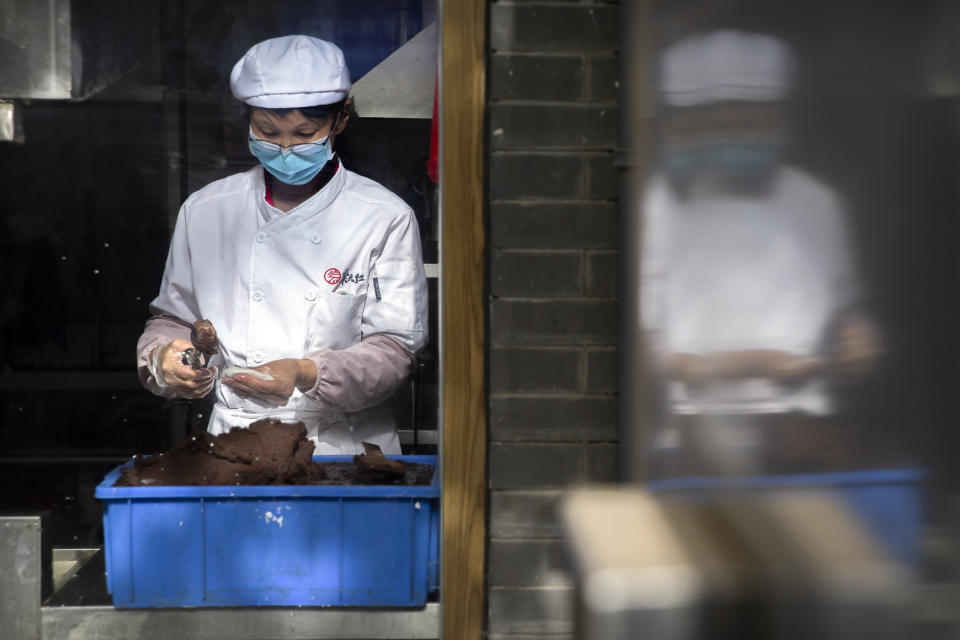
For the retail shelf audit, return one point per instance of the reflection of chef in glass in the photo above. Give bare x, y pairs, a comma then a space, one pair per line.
749, 297
311, 274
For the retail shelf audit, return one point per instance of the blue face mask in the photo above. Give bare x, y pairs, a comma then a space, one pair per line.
734, 158
297, 164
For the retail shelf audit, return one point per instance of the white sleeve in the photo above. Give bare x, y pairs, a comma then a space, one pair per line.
848, 287
396, 303
361, 375
173, 311
654, 262
176, 296
836, 258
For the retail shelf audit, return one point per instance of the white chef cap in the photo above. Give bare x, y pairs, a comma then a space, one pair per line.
725, 65
291, 72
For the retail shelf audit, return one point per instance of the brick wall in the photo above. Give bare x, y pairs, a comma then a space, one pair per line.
553, 97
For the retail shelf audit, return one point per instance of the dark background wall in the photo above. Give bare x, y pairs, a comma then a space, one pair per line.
87, 203
553, 311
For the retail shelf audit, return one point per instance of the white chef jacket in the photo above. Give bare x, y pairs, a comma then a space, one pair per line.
727, 272
343, 265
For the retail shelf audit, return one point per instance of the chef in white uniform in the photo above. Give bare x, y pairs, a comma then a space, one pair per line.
750, 298
311, 274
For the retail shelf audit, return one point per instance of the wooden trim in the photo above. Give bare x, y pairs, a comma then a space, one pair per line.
463, 82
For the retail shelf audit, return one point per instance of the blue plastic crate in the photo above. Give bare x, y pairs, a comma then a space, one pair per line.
223, 546
887, 501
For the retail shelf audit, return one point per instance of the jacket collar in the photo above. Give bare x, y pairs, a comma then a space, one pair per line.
314, 205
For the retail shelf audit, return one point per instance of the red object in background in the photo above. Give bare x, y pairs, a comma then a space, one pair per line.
432, 168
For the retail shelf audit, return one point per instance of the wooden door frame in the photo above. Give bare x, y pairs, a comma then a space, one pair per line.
464, 436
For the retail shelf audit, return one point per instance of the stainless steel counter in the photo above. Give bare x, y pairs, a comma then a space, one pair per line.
107, 623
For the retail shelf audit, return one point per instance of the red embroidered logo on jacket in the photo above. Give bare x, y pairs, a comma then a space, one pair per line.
331, 275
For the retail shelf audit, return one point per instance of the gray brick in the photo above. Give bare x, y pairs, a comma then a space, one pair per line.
536, 274
522, 126
533, 370
603, 78
603, 273
602, 463
514, 177
602, 370
558, 322
534, 466
550, 28
554, 225
528, 563
550, 419
602, 182
536, 77
539, 611
525, 514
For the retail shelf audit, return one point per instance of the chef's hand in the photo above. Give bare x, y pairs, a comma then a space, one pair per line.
170, 371
748, 363
858, 347
288, 374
